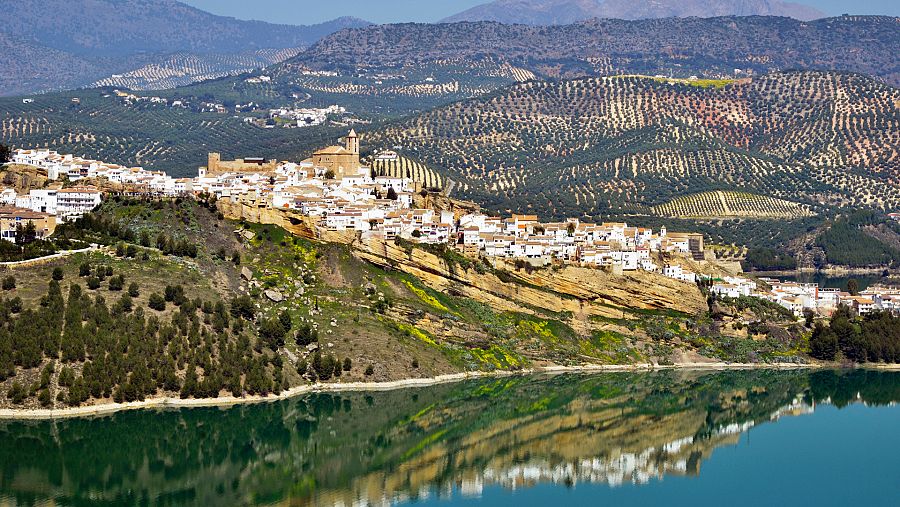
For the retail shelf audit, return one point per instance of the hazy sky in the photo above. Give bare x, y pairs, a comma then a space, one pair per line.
393, 11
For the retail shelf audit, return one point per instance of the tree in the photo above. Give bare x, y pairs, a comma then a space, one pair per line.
823, 343
285, 318
9, 283
4, 154
116, 283
272, 332
243, 307
156, 302
58, 273
134, 290
26, 234
809, 317
125, 303
348, 364
853, 286
84, 269
93, 283
306, 335
392, 194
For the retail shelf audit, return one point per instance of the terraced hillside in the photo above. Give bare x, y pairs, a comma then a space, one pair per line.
180, 69
156, 136
404, 167
397, 70
629, 143
724, 204
399, 89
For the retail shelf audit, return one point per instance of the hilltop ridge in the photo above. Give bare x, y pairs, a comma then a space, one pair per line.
85, 41
558, 12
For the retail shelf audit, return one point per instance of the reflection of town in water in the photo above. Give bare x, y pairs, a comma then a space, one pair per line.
387, 447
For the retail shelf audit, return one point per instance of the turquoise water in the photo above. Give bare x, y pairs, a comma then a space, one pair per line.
672, 438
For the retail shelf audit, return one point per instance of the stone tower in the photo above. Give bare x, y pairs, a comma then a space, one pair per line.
353, 142
212, 164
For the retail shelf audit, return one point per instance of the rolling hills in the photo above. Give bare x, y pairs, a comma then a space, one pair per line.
158, 136
560, 12
626, 144
88, 40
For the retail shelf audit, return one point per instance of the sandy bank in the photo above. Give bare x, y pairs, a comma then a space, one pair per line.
168, 402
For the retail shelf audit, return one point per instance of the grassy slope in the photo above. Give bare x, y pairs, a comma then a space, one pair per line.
416, 332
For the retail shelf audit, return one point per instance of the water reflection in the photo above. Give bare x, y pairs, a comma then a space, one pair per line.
384, 447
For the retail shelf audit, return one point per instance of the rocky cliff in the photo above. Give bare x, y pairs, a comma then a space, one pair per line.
582, 292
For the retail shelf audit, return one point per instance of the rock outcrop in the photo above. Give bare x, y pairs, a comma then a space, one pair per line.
582, 292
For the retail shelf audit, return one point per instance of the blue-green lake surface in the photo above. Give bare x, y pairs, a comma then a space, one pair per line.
693, 438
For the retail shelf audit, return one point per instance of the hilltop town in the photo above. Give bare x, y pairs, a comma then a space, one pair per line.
342, 199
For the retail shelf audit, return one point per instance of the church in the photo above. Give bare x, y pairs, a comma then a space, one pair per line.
339, 160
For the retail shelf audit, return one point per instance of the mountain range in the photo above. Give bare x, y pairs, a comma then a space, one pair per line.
562, 12
728, 47
84, 41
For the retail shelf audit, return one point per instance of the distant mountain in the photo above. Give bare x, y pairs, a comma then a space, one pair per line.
87, 40
728, 47
561, 12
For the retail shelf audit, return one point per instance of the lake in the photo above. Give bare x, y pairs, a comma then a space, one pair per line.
693, 438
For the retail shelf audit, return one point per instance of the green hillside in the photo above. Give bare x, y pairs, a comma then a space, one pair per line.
156, 136
626, 144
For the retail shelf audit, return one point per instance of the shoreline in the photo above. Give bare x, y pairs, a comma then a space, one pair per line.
8, 414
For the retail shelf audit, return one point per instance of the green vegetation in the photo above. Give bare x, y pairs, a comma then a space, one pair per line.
724, 204
157, 136
768, 259
846, 244
872, 338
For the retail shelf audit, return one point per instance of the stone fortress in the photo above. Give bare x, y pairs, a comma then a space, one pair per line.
338, 160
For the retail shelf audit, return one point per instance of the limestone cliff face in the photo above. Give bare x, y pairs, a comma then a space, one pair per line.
296, 224
584, 292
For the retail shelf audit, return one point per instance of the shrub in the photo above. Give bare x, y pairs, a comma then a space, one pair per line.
58, 274
272, 332
116, 283
9, 283
370, 370
242, 307
93, 283
84, 270
348, 364
126, 303
134, 290
156, 302
45, 398
306, 335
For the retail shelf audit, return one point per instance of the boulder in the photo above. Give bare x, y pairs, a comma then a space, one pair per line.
246, 274
274, 295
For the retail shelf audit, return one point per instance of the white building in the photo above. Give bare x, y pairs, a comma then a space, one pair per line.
74, 202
